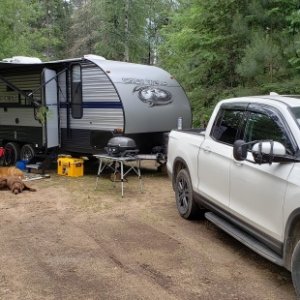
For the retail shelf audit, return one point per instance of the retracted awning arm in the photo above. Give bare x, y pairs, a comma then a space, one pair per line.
45, 83
19, 91
30, 96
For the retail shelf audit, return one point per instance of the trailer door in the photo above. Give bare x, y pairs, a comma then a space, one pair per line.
50, 100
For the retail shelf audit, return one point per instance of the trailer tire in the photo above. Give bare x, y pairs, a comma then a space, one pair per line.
12, 153
27, 152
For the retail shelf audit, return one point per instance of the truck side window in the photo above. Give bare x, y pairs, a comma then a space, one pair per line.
227, 125
76, 92
262, 127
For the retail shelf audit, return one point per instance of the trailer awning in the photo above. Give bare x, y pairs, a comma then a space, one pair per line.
58, 64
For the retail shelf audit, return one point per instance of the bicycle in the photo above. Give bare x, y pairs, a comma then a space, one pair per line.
5, 156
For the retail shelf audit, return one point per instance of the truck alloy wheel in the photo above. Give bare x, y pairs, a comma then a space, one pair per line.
186, 206
295, 268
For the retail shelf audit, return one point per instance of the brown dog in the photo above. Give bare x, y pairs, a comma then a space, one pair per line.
3, 182
11, 171
16, 185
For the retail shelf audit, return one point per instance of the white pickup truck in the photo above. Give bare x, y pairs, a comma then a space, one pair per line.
243, 173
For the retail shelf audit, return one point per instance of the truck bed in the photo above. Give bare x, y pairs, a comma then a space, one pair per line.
192, 130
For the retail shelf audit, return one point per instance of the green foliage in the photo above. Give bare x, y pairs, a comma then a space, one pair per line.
83, 31
221, 49
262, 59
34, 28
201, 48
49, 32
14, 15
216, 49
122, 26
119, 29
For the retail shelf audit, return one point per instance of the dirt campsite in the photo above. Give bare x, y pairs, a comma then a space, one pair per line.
69, 240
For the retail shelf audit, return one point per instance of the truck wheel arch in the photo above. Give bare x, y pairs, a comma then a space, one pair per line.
291, 237
178, 165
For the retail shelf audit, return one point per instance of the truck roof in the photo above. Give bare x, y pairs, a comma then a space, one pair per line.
289, 100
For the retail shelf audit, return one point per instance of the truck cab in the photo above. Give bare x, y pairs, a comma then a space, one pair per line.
243, 172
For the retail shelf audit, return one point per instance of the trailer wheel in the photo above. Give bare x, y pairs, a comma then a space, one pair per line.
27, 153
12, 153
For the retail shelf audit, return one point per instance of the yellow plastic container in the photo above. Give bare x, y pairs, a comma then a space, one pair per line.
69, 166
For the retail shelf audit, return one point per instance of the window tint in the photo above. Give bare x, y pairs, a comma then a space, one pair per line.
262, 127
226, 126
296, 113
76, 90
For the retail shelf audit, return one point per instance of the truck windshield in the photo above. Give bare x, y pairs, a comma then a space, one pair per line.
296, 112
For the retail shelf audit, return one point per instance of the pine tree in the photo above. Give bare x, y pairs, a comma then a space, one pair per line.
202, 47
219, 49
122, 32
126, 30
83, 32
49, 26
14, 18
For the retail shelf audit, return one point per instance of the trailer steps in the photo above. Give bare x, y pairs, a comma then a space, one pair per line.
31, 177
41, 165
36, 166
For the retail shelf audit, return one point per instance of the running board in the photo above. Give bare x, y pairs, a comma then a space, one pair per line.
245, 238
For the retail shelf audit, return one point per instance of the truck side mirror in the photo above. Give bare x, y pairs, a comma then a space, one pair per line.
268, 152
240, 150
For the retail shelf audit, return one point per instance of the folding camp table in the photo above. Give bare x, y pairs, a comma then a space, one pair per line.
114, 163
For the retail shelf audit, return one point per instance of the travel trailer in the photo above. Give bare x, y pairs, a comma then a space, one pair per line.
77, 105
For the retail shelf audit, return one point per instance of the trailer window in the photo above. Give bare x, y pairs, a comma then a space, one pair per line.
76, 91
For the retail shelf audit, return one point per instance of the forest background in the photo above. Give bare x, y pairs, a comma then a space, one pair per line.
216, 49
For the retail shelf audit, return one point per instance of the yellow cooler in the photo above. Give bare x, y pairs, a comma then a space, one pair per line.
69, 166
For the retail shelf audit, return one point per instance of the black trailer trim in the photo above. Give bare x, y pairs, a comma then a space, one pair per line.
102, 104
22, 134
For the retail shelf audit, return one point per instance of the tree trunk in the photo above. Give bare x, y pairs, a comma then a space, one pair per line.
126, 31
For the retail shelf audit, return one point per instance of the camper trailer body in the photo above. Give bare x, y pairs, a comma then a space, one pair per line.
77, 105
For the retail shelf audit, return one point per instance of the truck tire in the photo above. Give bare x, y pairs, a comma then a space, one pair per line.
295, 269
27, 152
12, 153
186, 205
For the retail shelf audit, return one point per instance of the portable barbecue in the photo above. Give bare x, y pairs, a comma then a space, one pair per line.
121, 146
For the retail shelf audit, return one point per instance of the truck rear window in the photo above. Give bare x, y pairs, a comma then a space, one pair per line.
227, 125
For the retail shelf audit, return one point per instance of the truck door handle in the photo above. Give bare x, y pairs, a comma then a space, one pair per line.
238, 164
206, 149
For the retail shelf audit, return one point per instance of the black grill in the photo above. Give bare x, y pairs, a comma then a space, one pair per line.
120, 146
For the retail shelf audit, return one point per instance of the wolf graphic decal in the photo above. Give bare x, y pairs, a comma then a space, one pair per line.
153, 95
